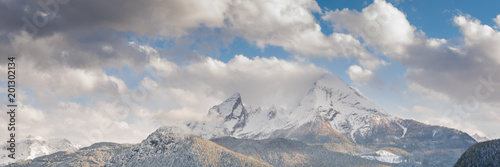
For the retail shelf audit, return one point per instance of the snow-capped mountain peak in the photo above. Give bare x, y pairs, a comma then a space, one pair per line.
342, 106
331, 81
331, 91
231, 108
331, 112
329, 99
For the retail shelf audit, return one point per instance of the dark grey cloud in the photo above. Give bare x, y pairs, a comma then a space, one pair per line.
142, 17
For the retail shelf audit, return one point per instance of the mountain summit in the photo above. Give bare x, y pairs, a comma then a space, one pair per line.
342, 106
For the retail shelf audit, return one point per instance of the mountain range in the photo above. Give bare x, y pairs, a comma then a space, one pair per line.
333, 125
339, 118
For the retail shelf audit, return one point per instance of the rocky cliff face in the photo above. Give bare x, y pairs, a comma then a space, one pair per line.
480, 138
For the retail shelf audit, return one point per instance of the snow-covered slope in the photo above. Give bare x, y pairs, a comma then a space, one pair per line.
479, 138
343, 107
384, 156
35, 146
226, 119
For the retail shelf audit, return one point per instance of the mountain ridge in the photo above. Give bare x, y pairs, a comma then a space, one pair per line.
167, 148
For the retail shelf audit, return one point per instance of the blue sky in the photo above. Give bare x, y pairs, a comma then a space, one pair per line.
421, 60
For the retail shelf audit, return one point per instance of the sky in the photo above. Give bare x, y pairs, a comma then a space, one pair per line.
94, 70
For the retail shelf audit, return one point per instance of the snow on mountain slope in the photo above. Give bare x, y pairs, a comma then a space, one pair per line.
262, 123
35, 146
342, 106
226, 119
479, 138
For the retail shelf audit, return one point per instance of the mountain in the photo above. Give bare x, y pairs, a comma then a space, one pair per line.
93, 156
481, 154
166, 148
479, 138
330, 101
333, 125
35, 146
339, 117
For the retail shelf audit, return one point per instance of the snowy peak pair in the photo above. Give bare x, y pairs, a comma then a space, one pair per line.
330, 101
338, 118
